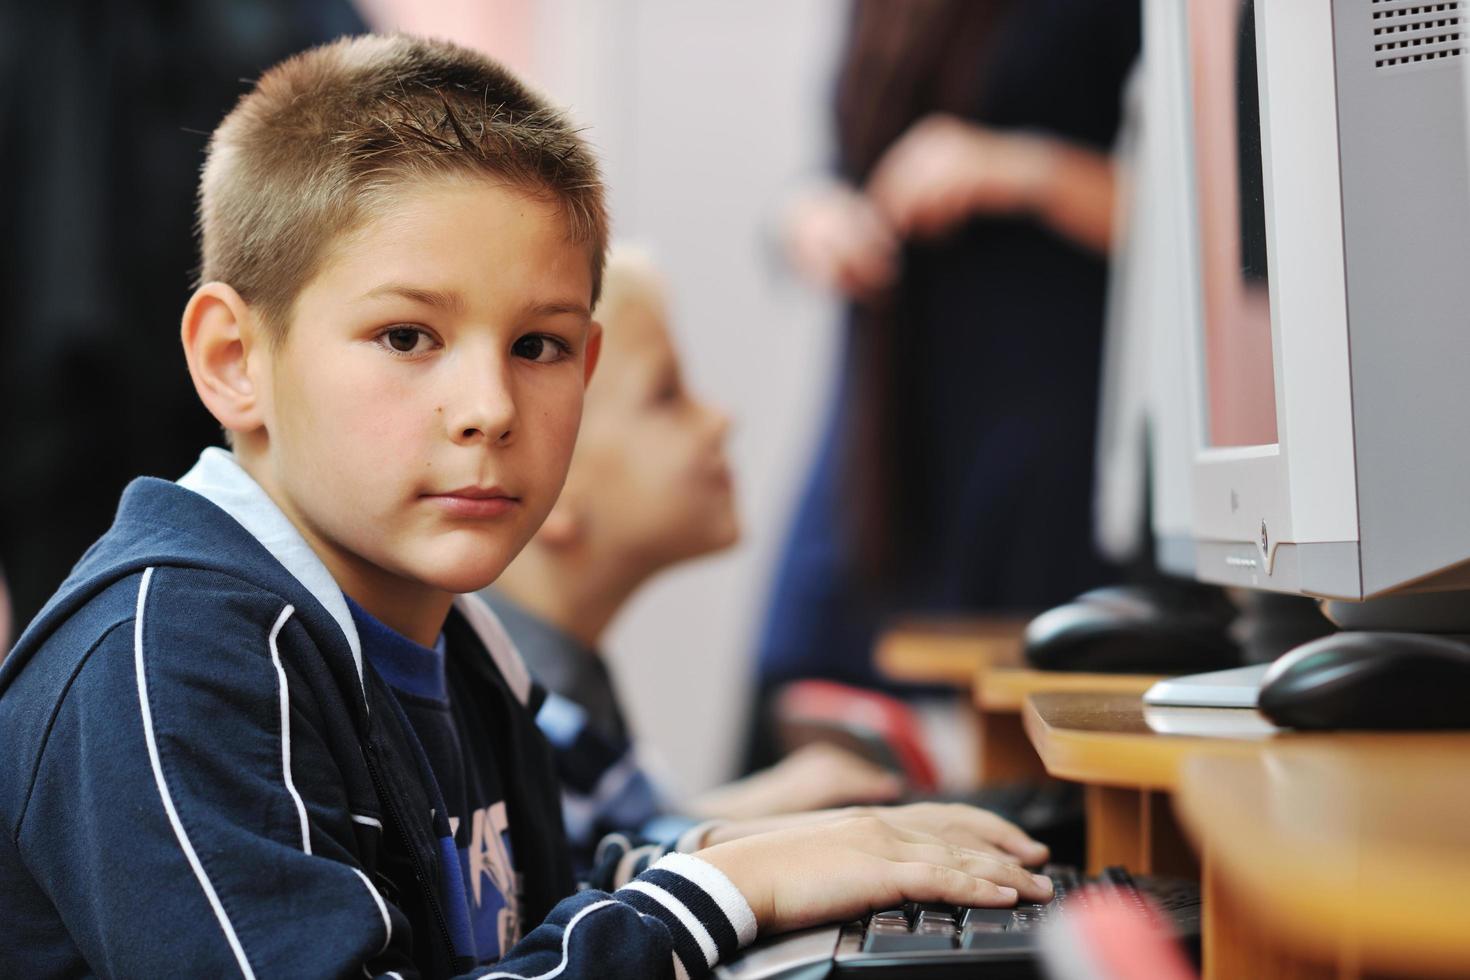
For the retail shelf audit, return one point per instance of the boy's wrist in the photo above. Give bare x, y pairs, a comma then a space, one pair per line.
706, 913
748, 879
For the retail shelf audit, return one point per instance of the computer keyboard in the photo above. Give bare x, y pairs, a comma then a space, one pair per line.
936, 942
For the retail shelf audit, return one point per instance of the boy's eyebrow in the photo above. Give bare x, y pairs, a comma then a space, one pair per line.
452, 301
559, 309
446, 299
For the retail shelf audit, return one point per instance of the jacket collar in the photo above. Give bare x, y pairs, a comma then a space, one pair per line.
219, 478
217, 517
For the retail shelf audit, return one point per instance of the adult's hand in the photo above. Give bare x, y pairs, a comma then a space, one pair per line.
836, 239
942, 171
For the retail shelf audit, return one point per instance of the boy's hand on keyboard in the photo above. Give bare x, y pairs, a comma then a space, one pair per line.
965, 826
955, 823
826, 872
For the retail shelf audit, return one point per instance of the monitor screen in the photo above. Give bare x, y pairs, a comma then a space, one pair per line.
1239, 376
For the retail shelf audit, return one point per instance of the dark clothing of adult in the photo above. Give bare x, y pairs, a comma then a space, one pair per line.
955, 473
105, 109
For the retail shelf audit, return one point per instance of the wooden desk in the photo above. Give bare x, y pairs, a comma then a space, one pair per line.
1000, 692
1335, 856
948, 651
1129, 758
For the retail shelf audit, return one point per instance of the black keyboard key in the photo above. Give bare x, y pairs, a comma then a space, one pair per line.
914, 909
990, 928
1007, 941
1000, 917
935, 919
890, 940
1063, 879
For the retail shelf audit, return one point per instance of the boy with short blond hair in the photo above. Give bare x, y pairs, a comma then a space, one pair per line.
259, 731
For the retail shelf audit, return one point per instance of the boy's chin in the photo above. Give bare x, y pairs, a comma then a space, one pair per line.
462, 577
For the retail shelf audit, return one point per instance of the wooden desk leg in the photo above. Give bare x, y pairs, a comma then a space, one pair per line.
1006, 754
1136, 828
1234, 946
1165, 850
1114, 827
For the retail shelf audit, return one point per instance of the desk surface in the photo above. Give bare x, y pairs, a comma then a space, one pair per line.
1006, 688
948, 651
1115, 740
1358, 840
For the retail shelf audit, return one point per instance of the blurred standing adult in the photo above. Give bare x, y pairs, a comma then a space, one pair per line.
104, 110
967, 227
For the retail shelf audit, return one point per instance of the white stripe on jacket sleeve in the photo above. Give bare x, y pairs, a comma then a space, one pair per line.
168, 803
286, 728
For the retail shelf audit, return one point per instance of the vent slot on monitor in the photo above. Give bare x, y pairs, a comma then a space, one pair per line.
1413, 33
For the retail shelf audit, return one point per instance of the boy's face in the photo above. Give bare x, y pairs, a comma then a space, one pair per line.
650, 473
420, 413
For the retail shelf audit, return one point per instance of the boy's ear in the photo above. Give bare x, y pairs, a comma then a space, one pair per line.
594, 351
219, 332
561, 529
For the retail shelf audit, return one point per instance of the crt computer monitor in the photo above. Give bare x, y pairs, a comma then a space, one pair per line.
1328, 357
1144, 400
1326, 334
1160, 217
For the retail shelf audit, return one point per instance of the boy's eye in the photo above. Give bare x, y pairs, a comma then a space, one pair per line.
540, 348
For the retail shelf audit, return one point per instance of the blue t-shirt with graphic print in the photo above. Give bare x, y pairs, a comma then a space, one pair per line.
467, 775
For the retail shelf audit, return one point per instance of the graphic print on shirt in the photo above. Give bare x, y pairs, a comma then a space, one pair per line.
489, 874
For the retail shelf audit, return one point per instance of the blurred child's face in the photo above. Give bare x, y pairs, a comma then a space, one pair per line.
423, 406
650, 474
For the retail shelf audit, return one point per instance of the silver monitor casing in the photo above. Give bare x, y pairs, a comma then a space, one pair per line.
1368, 238
1160, 210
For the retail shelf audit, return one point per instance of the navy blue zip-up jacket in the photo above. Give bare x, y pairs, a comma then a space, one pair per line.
203, 777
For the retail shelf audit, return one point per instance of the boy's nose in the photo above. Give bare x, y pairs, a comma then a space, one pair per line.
720, 421
484, 409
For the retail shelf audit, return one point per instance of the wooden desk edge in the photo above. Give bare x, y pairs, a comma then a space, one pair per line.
1063, 753
947, 655
1004, 688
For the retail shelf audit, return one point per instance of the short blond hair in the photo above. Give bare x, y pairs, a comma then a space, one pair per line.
325, 136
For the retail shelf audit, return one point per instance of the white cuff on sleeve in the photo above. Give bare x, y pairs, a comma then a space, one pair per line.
719, 887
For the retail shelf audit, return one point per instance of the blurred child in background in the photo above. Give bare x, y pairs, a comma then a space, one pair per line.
649, 488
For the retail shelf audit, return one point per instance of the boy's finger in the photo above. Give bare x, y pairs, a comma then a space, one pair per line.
1033, 888
999, 871
921, 881
1000, 832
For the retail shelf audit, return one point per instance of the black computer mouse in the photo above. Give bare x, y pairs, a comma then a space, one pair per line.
1371, 681
1132, 629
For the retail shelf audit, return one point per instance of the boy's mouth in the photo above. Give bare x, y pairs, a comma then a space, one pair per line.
475, 502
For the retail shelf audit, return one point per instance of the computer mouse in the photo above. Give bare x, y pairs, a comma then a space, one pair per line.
1371, 681
1168, 595
1133, 629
